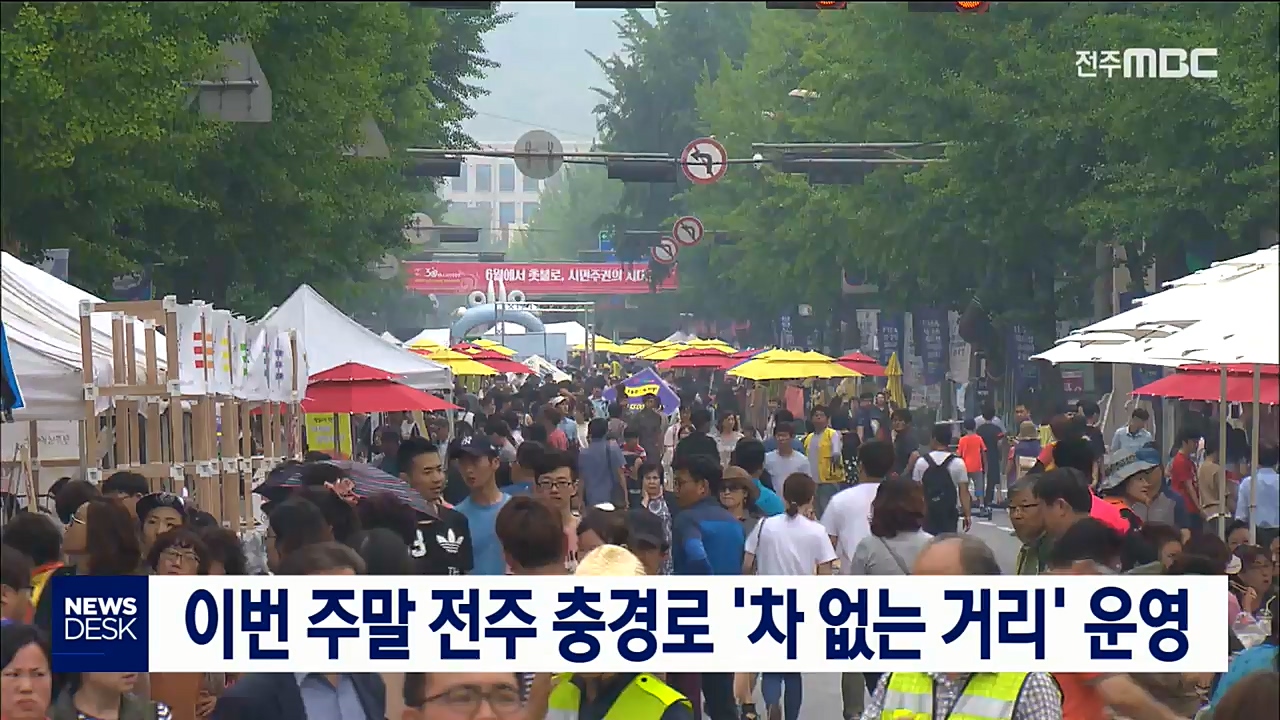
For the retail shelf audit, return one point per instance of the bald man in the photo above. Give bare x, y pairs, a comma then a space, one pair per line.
955, 554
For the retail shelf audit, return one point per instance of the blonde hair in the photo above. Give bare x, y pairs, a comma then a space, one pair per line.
610, 561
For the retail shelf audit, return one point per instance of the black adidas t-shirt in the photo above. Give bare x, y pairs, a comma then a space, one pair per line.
443, 544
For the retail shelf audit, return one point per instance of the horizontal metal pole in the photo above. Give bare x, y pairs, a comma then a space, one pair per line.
847, 146
859, 161
440, 152
224, 84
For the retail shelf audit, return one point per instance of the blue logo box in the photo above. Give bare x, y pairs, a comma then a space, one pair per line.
100, 624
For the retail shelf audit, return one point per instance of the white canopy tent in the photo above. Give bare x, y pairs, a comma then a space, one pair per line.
390, 338
42, 321
429, 336
331, 339
575, 333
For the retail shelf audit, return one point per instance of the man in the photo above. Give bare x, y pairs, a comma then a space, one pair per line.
868, 420
308, 696
1064, 500
941, 474
972, 449
784, 460
847, 518
826, 465
991, 429
36, 536
939, 696
699, 442
749, 455
604, 696
706, 540
1090, 548
478, 462
633, 456
127, 487
647, 539
1028, 526
1021, 414
1092, 415
15, 585
388, 446
784, 418
531, 533
557, 485
906, 447
650, 423
474, 696
523, 471
600, 468
1182, 477
442, 545
599, 406
1266, 514
1134, 435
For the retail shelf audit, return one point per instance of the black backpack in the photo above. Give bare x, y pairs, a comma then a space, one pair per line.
940, 496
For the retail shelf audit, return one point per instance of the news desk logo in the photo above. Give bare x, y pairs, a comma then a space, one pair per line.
1143, 63
100, 624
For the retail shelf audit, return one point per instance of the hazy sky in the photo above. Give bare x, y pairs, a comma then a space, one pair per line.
545, 75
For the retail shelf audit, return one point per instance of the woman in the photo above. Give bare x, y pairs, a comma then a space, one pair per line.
26, 689
499, 433
1254, 578
189, 695
1130, 486
738, 494
1237, 534
555, 437
897, 516
727, 437
105, 696
159, 513
789, 544
654, 499
672, 437
226, 552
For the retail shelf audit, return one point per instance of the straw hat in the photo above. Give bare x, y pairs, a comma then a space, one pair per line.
1027, 431
735, 476
610, 561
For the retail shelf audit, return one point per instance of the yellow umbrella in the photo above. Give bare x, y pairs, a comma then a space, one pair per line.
893, 374
639, 342
712, 343
459, 363
789, 369
423, 346
603, 344
633, 346
665, 353
494, 346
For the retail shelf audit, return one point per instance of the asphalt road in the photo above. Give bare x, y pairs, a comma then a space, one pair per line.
822, 690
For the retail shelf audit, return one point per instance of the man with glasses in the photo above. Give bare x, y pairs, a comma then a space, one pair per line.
463, 696
1028, 527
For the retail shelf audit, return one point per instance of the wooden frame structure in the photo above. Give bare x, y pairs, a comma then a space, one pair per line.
202, 443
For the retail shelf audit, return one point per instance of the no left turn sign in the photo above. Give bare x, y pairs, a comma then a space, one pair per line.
687, 231
665, 252
704, 161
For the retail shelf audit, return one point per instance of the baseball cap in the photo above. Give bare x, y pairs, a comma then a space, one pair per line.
148, 504
1126, 464
474, 446
645, 528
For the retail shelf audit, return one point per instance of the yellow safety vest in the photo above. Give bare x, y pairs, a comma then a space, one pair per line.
830, 468
645, 698
987, 696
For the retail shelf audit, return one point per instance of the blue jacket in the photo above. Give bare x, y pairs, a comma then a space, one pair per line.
768, 503
706, 540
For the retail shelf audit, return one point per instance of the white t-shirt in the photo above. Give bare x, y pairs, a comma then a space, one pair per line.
956, 468
848, 519
785, 545
780, 467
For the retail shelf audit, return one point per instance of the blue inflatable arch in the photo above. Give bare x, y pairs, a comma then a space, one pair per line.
487, 315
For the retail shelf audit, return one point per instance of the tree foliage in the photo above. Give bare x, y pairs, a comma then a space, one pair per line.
1042, 165
235, 214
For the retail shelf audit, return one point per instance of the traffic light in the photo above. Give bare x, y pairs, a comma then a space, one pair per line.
827, 171
661, 170
457, 235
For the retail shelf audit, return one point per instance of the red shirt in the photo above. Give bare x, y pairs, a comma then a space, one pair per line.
558, 440
1182, 478
971, 449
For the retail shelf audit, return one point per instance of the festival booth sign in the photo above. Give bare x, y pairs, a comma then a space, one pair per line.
646, 382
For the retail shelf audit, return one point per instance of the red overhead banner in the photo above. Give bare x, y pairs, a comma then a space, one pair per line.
533, 279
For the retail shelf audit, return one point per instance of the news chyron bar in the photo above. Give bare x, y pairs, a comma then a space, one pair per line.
967, 8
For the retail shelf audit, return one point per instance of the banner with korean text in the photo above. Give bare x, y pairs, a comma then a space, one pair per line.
533, 279
327, 624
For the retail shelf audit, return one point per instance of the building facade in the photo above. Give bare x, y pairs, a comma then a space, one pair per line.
492, 188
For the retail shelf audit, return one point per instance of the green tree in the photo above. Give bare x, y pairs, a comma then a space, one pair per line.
572, 211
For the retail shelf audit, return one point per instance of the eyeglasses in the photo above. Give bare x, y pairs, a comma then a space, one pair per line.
182, 557
732, 488
558, 484
466, 700
1023, 508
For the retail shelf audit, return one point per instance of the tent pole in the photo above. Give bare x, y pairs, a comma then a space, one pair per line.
1253, 451
1223, 512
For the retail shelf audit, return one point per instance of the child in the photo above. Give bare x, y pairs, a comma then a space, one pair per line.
972, 449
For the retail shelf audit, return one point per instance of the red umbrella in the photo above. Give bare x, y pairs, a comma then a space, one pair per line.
367, 396
692, 358
1234, 369
350, 372
1207, 386
493, 359
861, 364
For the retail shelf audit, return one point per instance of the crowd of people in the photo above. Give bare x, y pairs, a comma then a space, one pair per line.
553, 480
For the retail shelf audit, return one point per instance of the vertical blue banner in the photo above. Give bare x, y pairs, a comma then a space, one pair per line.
931, 337
1021, 346
891, 328
10, 392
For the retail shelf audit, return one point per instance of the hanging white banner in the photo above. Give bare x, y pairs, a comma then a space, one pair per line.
191, 349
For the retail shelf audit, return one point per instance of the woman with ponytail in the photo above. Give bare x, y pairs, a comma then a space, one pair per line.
789, 544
